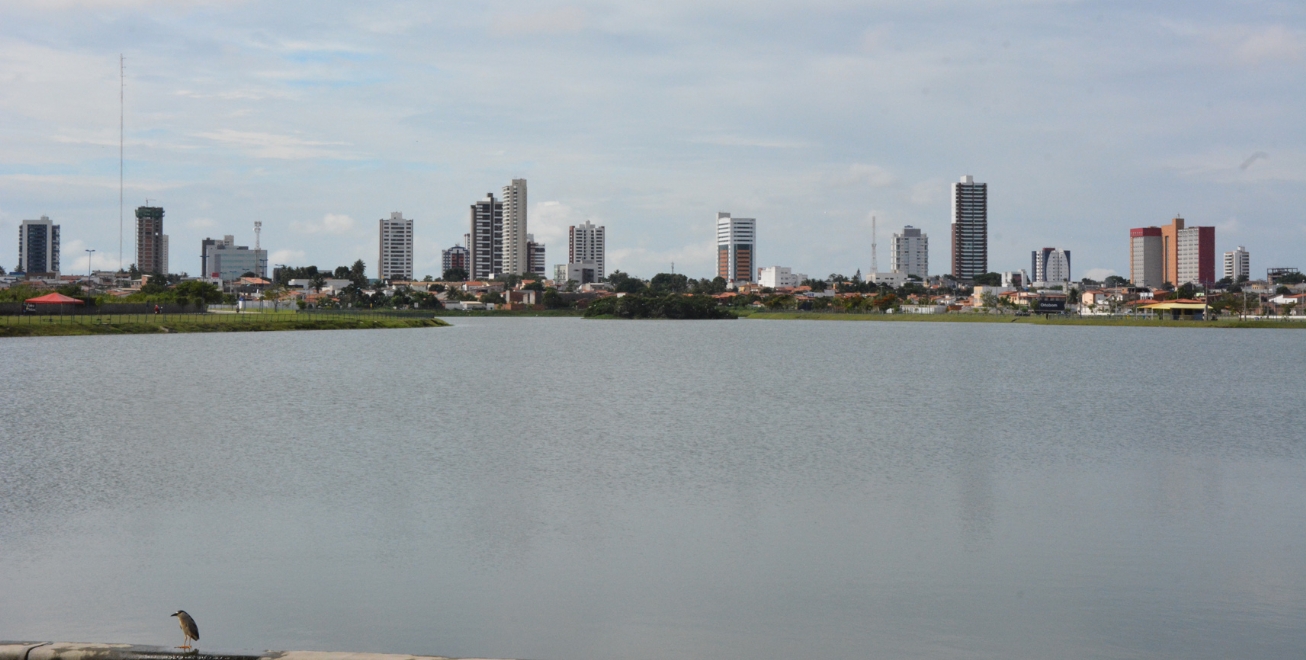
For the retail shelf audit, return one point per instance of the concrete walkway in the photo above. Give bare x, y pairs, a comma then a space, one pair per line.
76, 651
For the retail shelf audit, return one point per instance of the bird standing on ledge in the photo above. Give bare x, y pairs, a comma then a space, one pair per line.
188, 628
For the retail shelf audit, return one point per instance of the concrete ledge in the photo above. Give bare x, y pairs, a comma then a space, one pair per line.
76, 651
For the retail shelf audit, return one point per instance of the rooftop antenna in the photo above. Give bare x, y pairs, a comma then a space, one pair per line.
673, 268
122, 78
258, 229
875, 252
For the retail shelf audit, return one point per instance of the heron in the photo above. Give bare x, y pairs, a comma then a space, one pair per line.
188, 628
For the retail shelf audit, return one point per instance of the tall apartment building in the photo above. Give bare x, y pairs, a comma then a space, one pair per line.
485, 240
909, 253
516, 254
396, 246
736, 243
38, 247
1238, 265
534, 256
970, 228
1195, 260
164, 258
1050, 265
455, 257
1146, 257
149, 239
227, 261
586, 246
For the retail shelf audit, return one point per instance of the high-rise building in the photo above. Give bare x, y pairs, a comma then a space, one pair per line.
1170, 250
1146, 257
516, 257
1195, 261
149, 239
228, 262
396, 243
1238, 265
736, 244
38, 247
1050, 265
909, 253
454, 257
485, 240
970, 228
164, 259
534, 256
586, 244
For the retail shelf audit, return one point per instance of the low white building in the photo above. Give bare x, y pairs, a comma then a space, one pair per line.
893, 279
777, 276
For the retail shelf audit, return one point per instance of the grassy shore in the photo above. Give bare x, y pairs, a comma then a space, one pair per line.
1028, 320
250, 323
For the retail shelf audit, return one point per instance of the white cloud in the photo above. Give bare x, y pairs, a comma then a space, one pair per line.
201, 223
331, 224
563, 20
72, 258
287, 257
549, 222
764, 143
1099, 274
874, 176
1272, 44
927, 192
269, 145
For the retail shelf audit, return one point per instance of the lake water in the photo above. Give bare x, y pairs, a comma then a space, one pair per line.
560, 488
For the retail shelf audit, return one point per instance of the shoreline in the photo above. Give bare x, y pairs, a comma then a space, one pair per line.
169, 326
1027, 320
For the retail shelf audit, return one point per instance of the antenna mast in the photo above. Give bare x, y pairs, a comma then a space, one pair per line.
122, 83
875, 252
258, 229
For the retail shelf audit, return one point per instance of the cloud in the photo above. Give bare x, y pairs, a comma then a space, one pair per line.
869, 175
927, 192
72, 258
765, 143
697, 257
201, 223
331, 223
287, 257
549, 222
269, 145
1272, 44
1099, 274
564, 20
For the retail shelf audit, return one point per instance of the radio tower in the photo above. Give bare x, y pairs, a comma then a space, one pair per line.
122, 83
258, 229
875, 252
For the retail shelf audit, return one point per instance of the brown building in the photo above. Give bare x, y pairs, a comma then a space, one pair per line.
150, 257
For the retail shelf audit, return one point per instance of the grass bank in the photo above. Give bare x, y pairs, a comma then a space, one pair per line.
1028, 320
36, 327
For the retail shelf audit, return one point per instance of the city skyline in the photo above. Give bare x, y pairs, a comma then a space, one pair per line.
322, 127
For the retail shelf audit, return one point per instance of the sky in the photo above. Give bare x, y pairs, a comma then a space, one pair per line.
319, 118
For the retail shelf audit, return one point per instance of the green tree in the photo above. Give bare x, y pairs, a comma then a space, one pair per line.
554, 300
668, 283
358, 274
492, 297
198, 290
454, 275
624, 283
1113, 281
989, 279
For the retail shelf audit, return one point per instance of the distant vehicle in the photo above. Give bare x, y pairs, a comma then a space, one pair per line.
1022, 312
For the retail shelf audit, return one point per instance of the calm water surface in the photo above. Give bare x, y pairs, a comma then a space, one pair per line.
558, 488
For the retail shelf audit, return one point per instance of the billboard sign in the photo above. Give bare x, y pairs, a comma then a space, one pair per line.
1050, 305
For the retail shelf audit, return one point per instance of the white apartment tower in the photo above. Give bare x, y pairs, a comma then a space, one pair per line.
396, 258
909, 253
736, 243
585, 245
970, 228
1238, 265
1050, 265
516, 252
38, 246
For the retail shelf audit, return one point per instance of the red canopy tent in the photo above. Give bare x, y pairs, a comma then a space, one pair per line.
54, 299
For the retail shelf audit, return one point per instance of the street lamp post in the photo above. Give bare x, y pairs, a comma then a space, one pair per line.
88, 262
